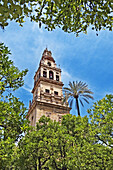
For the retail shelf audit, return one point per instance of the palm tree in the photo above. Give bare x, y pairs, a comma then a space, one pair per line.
77, 91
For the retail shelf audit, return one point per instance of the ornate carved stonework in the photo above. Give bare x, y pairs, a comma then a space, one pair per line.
47, 91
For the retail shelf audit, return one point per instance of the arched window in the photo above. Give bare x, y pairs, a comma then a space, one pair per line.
57, 78
51, 75
56, 93
44, 74
49, 64
46, 90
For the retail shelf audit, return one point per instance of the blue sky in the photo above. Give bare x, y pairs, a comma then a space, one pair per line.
88, 58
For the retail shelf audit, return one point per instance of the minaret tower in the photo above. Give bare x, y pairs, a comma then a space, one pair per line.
47, 91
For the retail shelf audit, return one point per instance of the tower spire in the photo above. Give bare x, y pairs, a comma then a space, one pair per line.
47, 55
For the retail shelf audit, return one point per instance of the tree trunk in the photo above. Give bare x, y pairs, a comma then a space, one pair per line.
77, 106
64, 168
39, 164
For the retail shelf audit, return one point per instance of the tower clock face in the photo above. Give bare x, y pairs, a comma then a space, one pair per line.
49, 64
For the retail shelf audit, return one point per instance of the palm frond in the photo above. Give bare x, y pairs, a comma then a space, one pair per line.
70, 102
88, 96
85, 100
66, 89
80, 92
81, 102
72, 87
88, 91
81, 84
70, 84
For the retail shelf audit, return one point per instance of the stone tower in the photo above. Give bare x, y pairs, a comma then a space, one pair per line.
47, 91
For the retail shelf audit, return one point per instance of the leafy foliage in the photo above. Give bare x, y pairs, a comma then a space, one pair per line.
6, 152
10, 76
102, 120
12, 118
13, 121
70, 15
77, 91
13, 124
71, 145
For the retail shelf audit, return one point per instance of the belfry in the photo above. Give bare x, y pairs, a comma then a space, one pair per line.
47, 91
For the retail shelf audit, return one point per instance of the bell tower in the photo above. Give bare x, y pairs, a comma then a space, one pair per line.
47, 91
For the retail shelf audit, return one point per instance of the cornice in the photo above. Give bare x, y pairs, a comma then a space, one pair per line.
53, 105
49, 67
47, 80
45, 104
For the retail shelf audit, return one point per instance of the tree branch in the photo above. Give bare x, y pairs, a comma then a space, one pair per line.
103, 141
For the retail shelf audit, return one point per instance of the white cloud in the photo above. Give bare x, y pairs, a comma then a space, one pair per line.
66, 74
27, 89
66, 77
